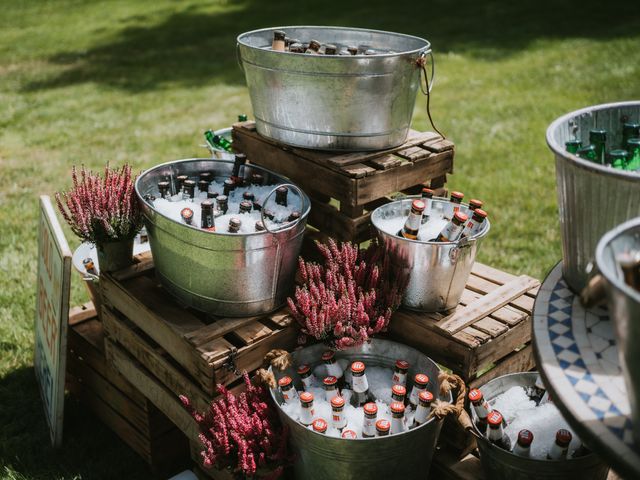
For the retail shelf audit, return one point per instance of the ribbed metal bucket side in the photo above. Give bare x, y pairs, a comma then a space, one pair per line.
592, 198
498, 464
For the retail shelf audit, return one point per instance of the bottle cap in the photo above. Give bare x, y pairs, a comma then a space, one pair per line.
425, 396
474, 203
285, 381
563, 437
240, 158
281, 190
480, 213
618, 154
260, 228
186, 213
229, 182
330, 49
494, 418
304, 368
279, 35
427, 192
246, 205
421, 379
525, 437
319, 425
248, 195
222, 198
190, 183
337, 402
314, 45
330, 380
352, 50
206, 205
328, 355
205, 176
383, 425
402, 364
396, 407
306, 397
370, 408
457, 195
461, 217
235, 222
349, 434
417, 205
597, 135
399, 390
357, 367
475, 395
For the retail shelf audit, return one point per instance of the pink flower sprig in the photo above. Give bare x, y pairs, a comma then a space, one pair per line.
350, 298
242, 432
101, 208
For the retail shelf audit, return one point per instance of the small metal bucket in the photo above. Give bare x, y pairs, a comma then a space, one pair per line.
218, 272
498, 464
438, 271
333, 102
592, 198
624, 308
220, 153
405, 455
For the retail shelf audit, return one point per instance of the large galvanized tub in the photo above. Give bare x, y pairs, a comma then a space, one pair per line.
498, 464
592, 198
624, 308
404, 456
438, 271
219, 272
333, 102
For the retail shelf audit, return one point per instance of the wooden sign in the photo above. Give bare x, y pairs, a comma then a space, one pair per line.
52, 313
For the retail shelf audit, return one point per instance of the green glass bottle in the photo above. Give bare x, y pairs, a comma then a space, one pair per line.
634, 154
588, 153
619, 158
217, 142
629, 130
243, 117
573, 146
598, 138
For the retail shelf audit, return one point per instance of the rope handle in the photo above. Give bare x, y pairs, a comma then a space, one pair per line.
450, 383
421, 62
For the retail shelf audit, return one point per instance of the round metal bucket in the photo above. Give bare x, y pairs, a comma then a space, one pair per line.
218, 272
438, 271
624, 308
333, 102
406, 455
592, 198
498, 464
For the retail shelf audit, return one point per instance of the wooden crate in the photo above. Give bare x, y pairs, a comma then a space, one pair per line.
345, 187
487, 335
117, 402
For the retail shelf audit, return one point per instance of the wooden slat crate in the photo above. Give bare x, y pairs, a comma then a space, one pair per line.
359, 182
116, 401
490, 327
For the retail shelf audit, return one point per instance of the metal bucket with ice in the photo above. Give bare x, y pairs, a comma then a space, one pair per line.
406, 455
438, 271
509, 394
233, 274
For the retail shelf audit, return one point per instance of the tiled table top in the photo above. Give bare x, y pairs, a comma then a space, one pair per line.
577, 356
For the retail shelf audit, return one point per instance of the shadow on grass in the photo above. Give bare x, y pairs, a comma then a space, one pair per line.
89, 450
195, 48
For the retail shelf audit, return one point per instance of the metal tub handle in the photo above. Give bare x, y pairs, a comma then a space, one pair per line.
264, 203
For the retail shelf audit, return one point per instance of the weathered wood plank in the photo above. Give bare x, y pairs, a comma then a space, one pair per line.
507, 315
413, 153
520, 361
438, 146
142, 263
217, 329
498, 348
252, 332
523, 302
81, 313
385, 162
358, 170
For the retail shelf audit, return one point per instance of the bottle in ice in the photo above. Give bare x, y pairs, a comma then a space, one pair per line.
560, 446
203, 186
216, 142
629, 130
189, 190
455, 202
523, 443
414, 220
281, 195
180, 179
278, 43
598, 138
481, 409
330, 49
383, 427
206, 176
398, 393
207, 221
451, 232
400, 370
496, 434
229, 186
427, 196
333, 367
397, 417
618, 159
588, 153
370, 417
572, 146
307, 412
245, 206
475, 224
338, 420
240, 159
361, 392
320, 426
633, 147
420, 382
313, 48
234, 225
164, 189
288, 390
187, 215
330, 385
223, 203
425, 398
475, 204
260, 226
349, 434
305, 373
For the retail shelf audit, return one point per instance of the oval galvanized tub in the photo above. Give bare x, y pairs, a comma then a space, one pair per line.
333, 102
592, 198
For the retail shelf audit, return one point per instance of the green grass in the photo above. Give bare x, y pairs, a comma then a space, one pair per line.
119, 81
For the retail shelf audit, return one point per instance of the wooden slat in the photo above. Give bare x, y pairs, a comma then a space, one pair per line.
497, 276
281, 318
490, 327
358, 170
507, 315
523, 302
81, 313
252, 332
217, 329
385, 162
142, 263
413, 153
496, 349
438, 146
520, 361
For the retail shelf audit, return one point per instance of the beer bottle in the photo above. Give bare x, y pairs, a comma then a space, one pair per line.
189, 189
242, 117
398, 393
560, 447
453, 229
414, 220
456, 200
397, 417
523, 444
240, 159
203, 186
633, 147
630, 266
330, 49
222, 142
288, 390
496, 433
400, 370
207, 176
370, 417
475, 224
382, 427
338, 420
89, 266
320, 426
572, 146
352, 50
207, 221
223, 203
598, 138
475, 204
313, 48
257, 179
187, 215
229, 186
260, 226
245, 206
281, 195
278, 44
349, 434
588, 153
212, 195
180, 179
234, 225
307, 412
629, 130
249, 196
427, 195
163, 188
330, 385
420, 382
333, 367
481, 408
294, 216
424, 408
618, 159
296, 48
306, 375
361, 392
269, 214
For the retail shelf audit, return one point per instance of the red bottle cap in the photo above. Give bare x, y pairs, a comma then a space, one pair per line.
480, 213
383, 425
349, 434
370, 408
186, 213
304, 368
402, 364
396, 407
319, 425
429, 193
461, 217
330, 380
525, 437
563, 437
285, 381
357, 367
417, 205
306, 397
426, 396
421, 379
328, 355
494, 418
475, 395
457, 195
337, 402
475, 203
399, 390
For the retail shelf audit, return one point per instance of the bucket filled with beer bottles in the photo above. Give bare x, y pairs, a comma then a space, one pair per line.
436, 241
225, 235
364, 412
597, 151
522, 435
333, 88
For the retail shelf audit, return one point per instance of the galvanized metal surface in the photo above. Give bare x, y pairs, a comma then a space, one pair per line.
218, 272
592, 198
404, 456
438, 271
624, 308
333, 102
498, 464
